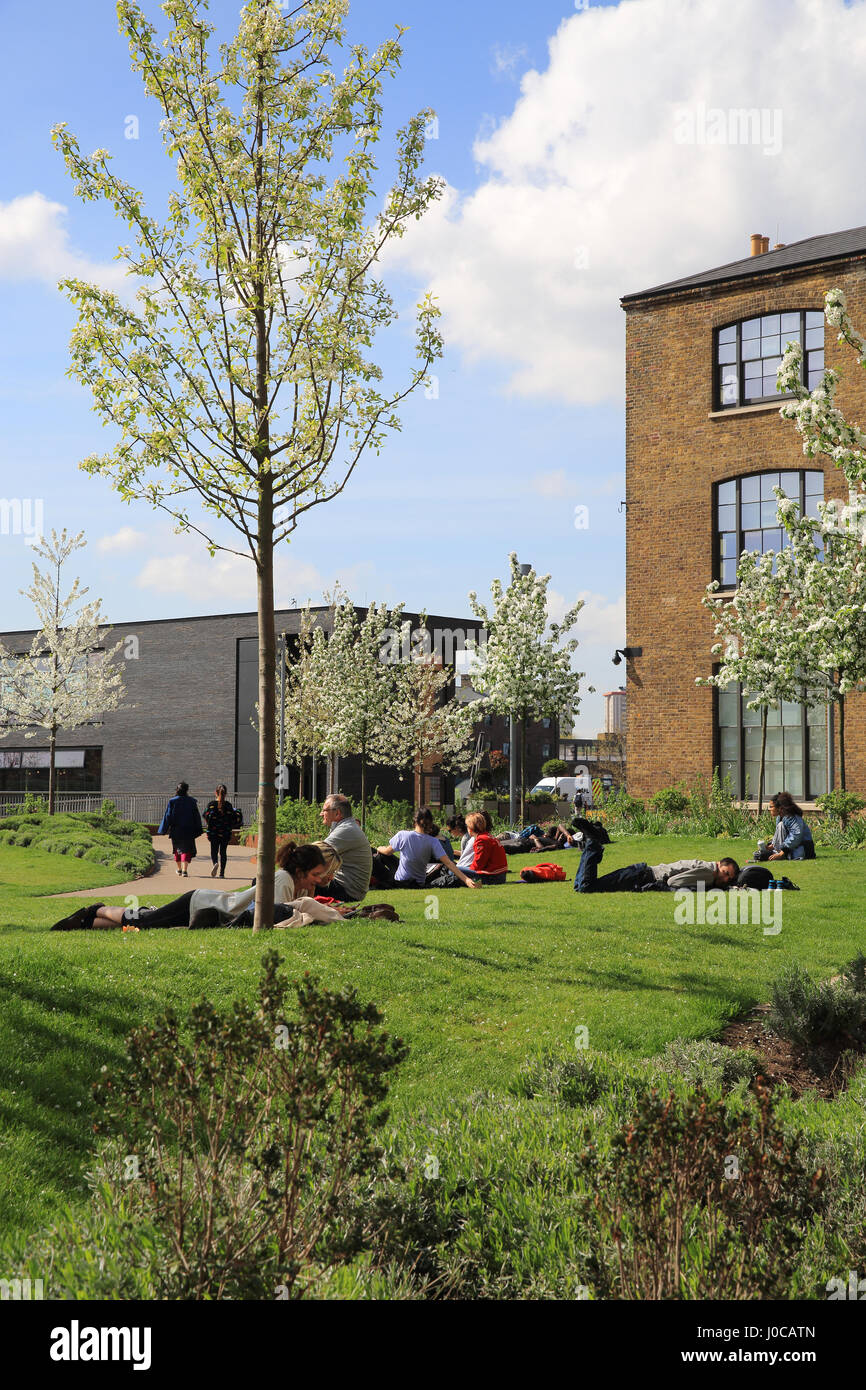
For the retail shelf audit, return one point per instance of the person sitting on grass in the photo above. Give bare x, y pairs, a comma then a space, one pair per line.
417, 848
346, 836
301, 870
638, 878
489, 863
792, 838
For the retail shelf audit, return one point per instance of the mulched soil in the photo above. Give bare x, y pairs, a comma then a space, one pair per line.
825, 1069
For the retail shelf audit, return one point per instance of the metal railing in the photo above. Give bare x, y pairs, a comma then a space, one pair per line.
144, 807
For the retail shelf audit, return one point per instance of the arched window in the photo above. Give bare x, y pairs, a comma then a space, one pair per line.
748, 355
746, 514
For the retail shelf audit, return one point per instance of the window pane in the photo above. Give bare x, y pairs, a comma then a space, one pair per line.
816, 361
774, 736
730, 772
726, 352
753, 541
729, 393
814, 317
751, 515
753, 390
770, 387
791, 712
769, 513
727, 493
754, 369
773, 539
814, 483
728, 744
771, 346
770, 323
813, 380
817, 716
751, 719
729, 572
728, 545
728, 335
751, 349
811, 508
771, 365
790, 321
793, 778
729, 708
752, 328
727, 518
814, 338
768, 482
790, 485
750, 488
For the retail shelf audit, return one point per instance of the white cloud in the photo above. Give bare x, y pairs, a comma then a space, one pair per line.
34, 245
506, 57
186, 571
127, 538
556, 483
601, 621
588, 192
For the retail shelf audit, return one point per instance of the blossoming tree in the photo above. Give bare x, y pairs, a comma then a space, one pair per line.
239, 380
757, 627
68, 678
524, 669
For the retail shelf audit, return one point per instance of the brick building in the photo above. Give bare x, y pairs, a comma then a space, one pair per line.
704, 444
191, 688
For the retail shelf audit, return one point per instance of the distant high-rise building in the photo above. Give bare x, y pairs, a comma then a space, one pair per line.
614, 711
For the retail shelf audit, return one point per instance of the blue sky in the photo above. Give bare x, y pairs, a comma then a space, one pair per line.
565, 189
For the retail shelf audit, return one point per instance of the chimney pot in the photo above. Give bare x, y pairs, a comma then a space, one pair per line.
757, 242
765, 244
779, 246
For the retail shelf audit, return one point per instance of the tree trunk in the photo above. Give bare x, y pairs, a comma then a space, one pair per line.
363, 786
523, 769
52, 757
763, 755
841, 703
267, 817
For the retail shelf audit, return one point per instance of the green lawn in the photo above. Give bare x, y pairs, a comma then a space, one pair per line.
501, 973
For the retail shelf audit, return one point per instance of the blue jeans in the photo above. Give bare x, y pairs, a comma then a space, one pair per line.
626, 880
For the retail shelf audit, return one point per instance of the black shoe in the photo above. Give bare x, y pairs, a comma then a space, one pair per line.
82, 920
592, 829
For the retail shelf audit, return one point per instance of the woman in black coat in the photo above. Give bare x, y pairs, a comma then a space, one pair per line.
220, 818
182, 822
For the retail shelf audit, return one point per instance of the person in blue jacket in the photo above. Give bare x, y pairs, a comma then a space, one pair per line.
792, 838
182, 823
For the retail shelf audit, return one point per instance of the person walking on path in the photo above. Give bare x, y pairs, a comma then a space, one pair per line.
352, 880
182, 823
220, 820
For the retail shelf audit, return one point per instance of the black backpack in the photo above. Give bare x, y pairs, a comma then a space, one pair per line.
754, 876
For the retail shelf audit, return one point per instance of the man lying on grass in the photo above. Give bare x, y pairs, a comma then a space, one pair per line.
302, 870
642, 878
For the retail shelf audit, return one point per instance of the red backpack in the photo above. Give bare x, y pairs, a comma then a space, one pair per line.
543, 873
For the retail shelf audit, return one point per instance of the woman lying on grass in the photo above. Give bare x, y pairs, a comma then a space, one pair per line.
301, 871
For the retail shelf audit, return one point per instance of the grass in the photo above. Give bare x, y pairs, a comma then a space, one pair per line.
502, 973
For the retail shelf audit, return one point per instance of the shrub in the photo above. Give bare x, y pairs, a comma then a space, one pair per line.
700, 1202
554, 767
670, 801
808, 1013
701, 1062
584, 1079
249, 1133
840, 806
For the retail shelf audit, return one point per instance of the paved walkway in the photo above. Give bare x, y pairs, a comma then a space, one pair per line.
240, 869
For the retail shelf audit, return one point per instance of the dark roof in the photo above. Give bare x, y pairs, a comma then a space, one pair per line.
834, 246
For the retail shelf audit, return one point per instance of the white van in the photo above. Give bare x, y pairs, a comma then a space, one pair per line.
564, 788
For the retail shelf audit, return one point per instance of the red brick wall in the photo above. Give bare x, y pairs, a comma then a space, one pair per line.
675, 452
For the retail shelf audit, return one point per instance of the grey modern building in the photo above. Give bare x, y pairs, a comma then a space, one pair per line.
191, 690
